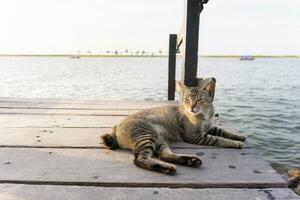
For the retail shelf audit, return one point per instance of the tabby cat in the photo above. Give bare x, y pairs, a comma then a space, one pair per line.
148, 133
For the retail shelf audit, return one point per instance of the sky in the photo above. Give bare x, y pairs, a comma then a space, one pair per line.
265, 27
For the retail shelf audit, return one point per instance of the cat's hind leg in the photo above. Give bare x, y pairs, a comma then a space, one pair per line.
216, 131
143, 158
167, 155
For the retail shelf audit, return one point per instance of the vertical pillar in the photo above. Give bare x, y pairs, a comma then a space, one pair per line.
172, 66
193, 9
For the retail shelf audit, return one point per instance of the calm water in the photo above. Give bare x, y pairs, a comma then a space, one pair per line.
261, 97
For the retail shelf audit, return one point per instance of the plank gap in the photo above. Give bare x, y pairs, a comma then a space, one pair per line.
152, 185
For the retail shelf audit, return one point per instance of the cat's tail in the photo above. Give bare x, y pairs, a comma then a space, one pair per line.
109, 139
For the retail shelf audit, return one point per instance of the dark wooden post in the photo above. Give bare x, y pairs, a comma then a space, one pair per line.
190, 41
190, 37
172, 66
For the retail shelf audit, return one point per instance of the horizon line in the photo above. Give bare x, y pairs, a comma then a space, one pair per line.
154, 55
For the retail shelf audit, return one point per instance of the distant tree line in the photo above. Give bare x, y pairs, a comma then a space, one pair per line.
134, 53
125, 52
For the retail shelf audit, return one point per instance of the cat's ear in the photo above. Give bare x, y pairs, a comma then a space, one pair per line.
180, 87
210, 87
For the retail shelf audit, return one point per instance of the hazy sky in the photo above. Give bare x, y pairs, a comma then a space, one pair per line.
227, 26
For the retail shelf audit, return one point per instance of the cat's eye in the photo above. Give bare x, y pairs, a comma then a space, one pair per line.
186, 100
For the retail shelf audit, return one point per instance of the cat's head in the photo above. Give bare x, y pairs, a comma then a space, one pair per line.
197, 100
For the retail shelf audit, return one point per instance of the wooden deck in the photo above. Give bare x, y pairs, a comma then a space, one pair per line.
50, 149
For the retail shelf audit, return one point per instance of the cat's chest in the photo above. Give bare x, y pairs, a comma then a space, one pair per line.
201, 126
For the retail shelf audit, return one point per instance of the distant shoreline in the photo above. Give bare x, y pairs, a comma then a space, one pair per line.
255, 56
146, 56
81, 55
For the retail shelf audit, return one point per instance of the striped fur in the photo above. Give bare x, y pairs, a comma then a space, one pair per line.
294, 180
148, 133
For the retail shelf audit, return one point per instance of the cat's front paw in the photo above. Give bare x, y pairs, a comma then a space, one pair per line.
194, 162
242, 138
240, 145
190, 161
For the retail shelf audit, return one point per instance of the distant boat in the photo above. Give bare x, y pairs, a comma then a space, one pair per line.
247, 58
75, 56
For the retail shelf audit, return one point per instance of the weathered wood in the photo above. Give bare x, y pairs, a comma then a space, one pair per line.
172, 66
57, 154
52, 137
50, 131
64, 121
87, 106
63, 138
47, 131
50, 192
90, 112
58, 121
76, 101
221, 168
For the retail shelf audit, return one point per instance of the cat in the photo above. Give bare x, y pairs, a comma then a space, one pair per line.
294, 180
149, 132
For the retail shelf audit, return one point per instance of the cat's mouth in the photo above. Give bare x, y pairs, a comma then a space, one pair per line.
193, 113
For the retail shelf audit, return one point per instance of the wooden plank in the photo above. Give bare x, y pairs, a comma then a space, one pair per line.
62, 138
97, 105
99, 167
76, 101
50, 192
44, 131
88, 112
91, 112
57, 121
52, 137
68, 121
